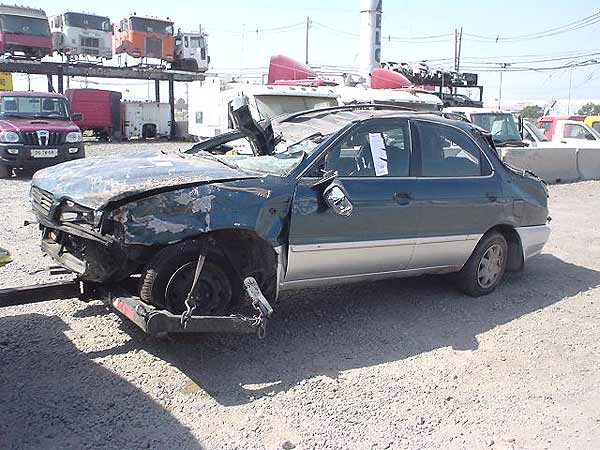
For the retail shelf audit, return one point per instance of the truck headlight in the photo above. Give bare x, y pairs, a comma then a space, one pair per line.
74, 213
9, 137
73, 137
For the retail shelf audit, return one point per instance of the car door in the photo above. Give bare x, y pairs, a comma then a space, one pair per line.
372, 161
457, 192
577, 134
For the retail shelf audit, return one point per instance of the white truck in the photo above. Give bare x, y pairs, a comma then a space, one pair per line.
575, 133
191, 52
146, 120
78, 34
209, 103
501, 124
413, 99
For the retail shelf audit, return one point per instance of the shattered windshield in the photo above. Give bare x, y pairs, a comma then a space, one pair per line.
282, 162
502, 126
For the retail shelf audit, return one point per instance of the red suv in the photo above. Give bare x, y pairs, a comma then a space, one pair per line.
36, 131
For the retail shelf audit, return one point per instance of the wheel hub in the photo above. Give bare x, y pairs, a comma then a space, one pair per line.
490, 266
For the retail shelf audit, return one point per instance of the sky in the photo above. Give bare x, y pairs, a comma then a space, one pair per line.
242, 39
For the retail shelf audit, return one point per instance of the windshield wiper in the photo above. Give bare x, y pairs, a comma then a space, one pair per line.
509, 142
16, 116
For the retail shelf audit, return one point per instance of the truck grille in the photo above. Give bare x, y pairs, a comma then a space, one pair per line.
153, 48
90, 42
54, 138
41, 201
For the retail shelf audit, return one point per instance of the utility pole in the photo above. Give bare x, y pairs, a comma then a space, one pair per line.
570, 84
307, 31
502, 66
457, 50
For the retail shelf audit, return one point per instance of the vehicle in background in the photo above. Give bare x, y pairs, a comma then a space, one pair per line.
100, 110
36, 131
24, 32
145, 37
573, 132
415, 99
191, 52
79, 34
501, 124
145, 120
534, 136
548, 123
593, 122
210, 103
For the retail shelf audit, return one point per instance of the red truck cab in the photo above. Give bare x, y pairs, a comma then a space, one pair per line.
24, 32
36, 131
101, 111
548, 123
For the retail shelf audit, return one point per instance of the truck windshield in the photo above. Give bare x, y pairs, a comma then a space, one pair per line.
33, 108
87, 21
151, 26
29, 26
196, 42
502, 126
276, 105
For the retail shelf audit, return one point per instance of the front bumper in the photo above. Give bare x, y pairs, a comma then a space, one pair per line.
533, 240
25, 161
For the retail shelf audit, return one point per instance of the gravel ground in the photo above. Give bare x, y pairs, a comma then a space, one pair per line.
397, 364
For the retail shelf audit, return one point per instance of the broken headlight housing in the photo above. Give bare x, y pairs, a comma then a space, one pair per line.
71, 212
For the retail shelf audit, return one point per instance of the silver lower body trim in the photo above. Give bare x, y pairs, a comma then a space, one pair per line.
533, 239
328, 281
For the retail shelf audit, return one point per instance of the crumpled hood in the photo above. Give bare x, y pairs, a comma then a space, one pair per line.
93, 182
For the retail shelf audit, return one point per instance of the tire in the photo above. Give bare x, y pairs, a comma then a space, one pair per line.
485, 268
169, 275
5, 172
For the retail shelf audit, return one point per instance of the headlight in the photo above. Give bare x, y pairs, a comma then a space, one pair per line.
74, 136
72, 212
9, 137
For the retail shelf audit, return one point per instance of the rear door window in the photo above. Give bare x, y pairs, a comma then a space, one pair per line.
446, 152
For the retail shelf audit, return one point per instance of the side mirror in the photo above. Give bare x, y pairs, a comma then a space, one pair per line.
76, 117
336, 198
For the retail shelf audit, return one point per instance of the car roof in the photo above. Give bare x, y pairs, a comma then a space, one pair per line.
299, 126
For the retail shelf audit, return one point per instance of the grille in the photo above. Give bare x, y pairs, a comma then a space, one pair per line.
90, 42
153, 48
54, 138
41, 201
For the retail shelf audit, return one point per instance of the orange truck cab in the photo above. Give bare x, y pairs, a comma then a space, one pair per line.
145, 37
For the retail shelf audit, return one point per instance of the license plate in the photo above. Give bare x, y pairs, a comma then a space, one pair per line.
44, 153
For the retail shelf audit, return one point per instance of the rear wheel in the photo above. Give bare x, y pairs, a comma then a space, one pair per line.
169, 276
5, 172
486, 266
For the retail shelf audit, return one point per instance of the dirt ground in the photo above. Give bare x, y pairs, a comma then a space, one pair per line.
401, 364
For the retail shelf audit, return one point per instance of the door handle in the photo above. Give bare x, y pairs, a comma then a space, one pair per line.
403, 198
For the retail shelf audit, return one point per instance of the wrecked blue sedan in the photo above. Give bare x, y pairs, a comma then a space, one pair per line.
330, 196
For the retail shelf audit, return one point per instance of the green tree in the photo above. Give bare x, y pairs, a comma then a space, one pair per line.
589, 109
533, 112
180, 104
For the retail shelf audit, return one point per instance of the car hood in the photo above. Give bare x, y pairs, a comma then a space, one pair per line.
94, 182
21, 125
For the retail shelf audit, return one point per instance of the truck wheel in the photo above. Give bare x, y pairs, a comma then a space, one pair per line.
486, 266
149, 131
5, 172
168, 277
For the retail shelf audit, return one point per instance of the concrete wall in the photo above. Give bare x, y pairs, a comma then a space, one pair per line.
556, 165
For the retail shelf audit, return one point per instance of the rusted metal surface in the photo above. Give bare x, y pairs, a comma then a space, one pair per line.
39, 293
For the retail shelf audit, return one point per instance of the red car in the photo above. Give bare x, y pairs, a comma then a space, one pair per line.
36, 131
